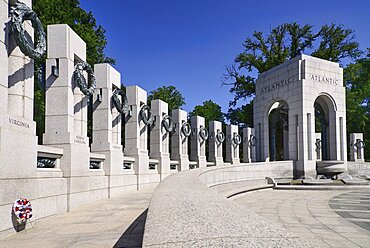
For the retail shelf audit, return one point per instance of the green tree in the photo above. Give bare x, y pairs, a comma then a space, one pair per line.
242, 114
357, 80
84, 24
210, 110
337, 43
170, 95
283, 43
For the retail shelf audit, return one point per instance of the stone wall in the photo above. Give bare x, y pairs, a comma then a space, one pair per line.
358, 168
224, 174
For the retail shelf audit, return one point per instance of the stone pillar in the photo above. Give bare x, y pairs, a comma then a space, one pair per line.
179, 146
18, 141
357, 147
197, 144
160, 138
249, 145
20, 75
215, 147
66, 117
136, 137
318, 146
65, 105
232, 148
4, 32
107, 125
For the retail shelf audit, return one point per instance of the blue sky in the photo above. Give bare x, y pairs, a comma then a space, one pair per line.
188, 43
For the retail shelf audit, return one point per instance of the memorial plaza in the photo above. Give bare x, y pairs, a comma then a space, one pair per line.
114, 169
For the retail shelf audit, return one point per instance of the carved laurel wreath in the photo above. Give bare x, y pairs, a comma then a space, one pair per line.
146, 115
123, 107
80, 80
167, 123
18, 14
220, 136
203, 133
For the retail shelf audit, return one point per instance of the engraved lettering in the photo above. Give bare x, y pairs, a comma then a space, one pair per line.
80, 140
324, 80
19, 123
276, 85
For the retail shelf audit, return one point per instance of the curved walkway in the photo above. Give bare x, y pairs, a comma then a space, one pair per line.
117, 222
354, 207
184, 212
308, 214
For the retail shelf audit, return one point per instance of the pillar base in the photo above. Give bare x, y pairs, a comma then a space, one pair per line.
18, 147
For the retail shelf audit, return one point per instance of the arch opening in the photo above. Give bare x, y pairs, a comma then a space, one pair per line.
278, 131
325, 124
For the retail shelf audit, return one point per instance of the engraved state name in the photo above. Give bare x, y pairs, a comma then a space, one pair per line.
80, 140
19, 123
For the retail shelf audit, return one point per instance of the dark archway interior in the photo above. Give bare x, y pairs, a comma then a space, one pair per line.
278, 133
322, 126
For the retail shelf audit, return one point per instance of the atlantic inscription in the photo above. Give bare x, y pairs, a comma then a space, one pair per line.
277, 85
324, 80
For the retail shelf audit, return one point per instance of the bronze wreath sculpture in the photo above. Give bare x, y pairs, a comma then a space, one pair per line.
252, 140
237, 139
146, 115
186, 129
18, 14
79, 78
123, 107
167, 123
220, 136
359, 144
203, 133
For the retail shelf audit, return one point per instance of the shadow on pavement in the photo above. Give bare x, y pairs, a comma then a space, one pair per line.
133, 236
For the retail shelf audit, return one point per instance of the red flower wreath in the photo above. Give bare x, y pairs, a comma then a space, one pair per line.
22, 210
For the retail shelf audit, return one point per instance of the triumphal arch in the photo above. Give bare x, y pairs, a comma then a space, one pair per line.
300, 114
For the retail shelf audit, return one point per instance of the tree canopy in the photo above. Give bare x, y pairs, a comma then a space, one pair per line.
210, 110
357, 80
170, 95
82, 22
283, 43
